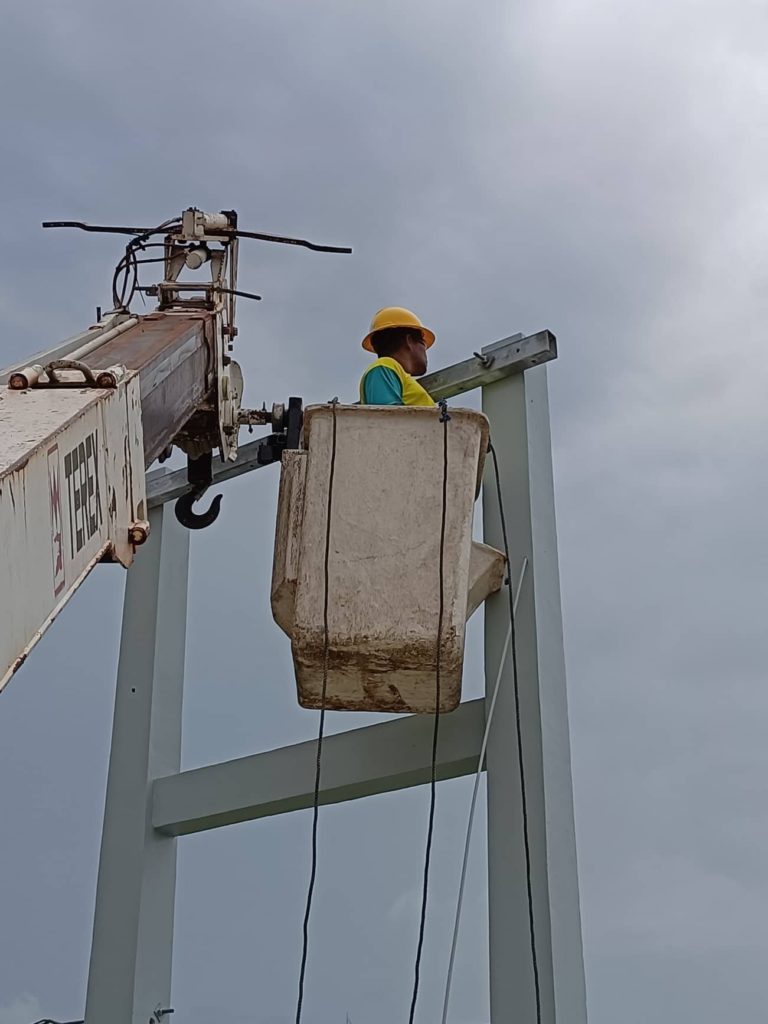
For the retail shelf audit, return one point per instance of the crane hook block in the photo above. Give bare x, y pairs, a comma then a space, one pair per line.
200, 476
186, 514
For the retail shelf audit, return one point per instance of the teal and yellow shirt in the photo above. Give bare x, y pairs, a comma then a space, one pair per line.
385, 382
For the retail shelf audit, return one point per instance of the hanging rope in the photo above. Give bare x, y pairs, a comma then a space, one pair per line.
520, 758
473, 801
444, 418
321, 728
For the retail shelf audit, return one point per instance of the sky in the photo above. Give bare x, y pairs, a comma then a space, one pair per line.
597, 169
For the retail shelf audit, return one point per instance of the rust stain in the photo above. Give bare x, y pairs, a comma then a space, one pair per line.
19, 662
127, 470
146, 341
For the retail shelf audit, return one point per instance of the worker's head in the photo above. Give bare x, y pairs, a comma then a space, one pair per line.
404, 345
399, 334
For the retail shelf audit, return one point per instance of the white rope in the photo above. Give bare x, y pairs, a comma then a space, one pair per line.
473, 803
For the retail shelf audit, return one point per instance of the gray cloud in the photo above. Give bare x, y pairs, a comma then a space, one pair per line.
21, 1010
594, 169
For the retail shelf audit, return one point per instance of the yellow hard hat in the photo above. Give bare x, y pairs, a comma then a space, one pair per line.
396, 316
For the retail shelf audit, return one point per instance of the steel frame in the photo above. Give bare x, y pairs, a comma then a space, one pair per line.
150, 802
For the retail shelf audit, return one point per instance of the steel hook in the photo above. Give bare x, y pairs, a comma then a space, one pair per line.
187, 516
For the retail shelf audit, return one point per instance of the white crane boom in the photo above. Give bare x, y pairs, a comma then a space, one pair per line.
73, 458
71, 493
81, 423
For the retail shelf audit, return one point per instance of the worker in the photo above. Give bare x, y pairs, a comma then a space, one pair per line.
400, 341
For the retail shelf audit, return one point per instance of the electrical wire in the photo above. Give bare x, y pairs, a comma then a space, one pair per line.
124, 290
183, 286
260, 236
475, 791
224, 232
108, 229
125, 280
444, 418
519, 735
321, 728
48, 1020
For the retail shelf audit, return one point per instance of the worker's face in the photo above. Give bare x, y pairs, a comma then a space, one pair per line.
417, 351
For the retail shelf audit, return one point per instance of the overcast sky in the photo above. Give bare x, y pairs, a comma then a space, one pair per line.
595, 168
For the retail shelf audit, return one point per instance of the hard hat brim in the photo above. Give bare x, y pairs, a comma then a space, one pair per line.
427, 335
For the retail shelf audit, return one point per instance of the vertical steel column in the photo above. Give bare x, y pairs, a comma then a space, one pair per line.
518, 410
130, 969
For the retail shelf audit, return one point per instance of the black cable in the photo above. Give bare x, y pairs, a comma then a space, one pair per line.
188, 286
290, 241
236, 291
230, 232
118, 292
124, 290
321, 729
128, 267
108, 229
519, 730
47, 1020
444, 417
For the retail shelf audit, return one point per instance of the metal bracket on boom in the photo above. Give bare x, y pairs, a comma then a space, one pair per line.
286, 423
287, 437
48, 376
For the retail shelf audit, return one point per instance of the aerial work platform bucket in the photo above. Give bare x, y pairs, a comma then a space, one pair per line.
384, 555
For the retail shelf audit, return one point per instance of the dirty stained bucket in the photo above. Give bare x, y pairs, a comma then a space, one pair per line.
384, 556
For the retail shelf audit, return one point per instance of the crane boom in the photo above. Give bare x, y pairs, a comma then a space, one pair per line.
72, 463
80, 423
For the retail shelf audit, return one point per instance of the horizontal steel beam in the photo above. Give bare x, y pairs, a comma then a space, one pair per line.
360, 762
502, 359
